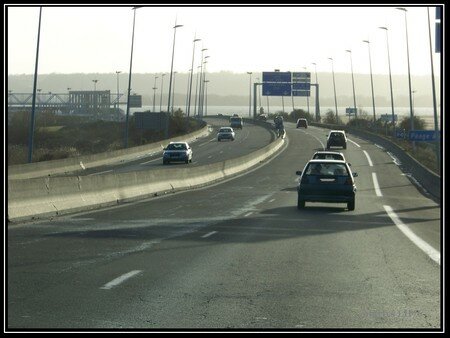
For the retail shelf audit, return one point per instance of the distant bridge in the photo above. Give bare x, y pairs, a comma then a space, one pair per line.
73, 100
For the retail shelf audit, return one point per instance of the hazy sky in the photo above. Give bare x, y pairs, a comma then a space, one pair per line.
97, 39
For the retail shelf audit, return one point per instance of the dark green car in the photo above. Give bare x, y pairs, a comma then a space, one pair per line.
329, 181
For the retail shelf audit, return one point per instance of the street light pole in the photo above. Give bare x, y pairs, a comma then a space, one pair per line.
409, 74
390, 79
317, 94
307, 97
206, 97
154, 93
162, 88
171, 67
173, 90
196, 90
202, 86
190, 80
436, 127
129, 79
371, 81
250, 96
199, 82
334, 87
118, 72
353, 83
33, 104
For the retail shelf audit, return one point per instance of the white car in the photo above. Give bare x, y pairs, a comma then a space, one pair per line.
329, 155
226, 133
177, 152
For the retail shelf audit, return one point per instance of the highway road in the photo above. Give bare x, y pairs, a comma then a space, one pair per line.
206, 150
239, 255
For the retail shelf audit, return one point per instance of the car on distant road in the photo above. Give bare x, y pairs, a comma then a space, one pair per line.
302, 123
337, 138
329, 155
177, 152
236, 122
226, 133
328, 181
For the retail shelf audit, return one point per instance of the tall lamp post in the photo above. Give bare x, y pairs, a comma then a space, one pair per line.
199, 84
250, 96
94, 101
129, 79
154, 93
202, 86
171, 67
317, 94
409, 74
206, 97
196, 90
334, 87
353, 83
371, 81
390, 79
436, 127
307, 97
33, 104
173, 91
118, 72
259, 92
162, 88
190, 79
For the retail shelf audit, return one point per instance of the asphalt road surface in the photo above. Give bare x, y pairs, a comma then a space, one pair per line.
239, 255
205, 150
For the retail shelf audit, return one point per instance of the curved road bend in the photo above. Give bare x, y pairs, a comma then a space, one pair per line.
238, 255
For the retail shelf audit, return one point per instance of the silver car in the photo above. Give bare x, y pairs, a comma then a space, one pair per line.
226, 133
176, 152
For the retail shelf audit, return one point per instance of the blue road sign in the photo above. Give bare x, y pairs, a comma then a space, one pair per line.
400, 133
276, 89
424, 135
276, 76
301, 77
301, 93
350, 111
301, 86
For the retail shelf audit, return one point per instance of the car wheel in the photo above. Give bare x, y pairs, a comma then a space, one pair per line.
328, 146
345, 146
300, 204
351, 205
218, 140
165, 162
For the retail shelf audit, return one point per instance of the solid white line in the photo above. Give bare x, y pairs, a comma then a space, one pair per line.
424, 246
356, 144
101, 172
156, 159
209, 234
375, 184
120, 279
273, 199
248, 214
368, 158
201, 145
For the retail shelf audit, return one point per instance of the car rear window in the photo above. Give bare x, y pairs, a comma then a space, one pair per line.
328, 157
176, 146
327, 169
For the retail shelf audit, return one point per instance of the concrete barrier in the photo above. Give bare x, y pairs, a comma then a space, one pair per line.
46, 197
67, 165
